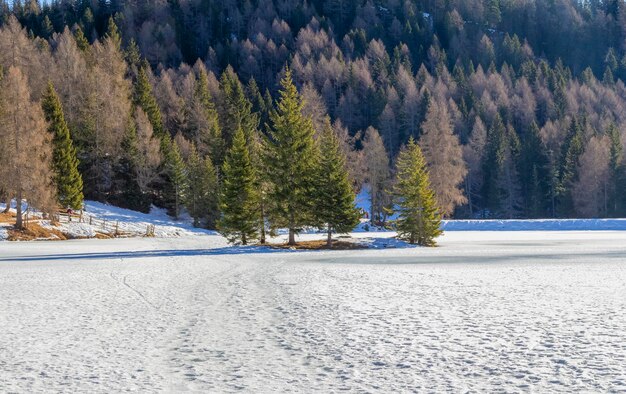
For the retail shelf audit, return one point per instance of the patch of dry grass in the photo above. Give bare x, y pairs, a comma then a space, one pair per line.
319, 245
34, 231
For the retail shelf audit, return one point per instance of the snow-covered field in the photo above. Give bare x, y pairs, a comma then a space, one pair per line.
486, 311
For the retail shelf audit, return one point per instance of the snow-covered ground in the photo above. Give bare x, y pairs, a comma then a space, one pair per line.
107, 219
484, 312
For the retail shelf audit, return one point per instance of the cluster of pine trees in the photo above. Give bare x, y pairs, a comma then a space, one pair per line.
510, 123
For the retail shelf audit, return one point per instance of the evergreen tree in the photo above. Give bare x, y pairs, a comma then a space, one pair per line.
201, 197
81, 40
419, 218
175, 173
534, 173
208, 133
144, 98
616, 171
291, 160
238, 197
492, 164
113, 34
131, 195
571, 151
237, 109
68, 181
334, 197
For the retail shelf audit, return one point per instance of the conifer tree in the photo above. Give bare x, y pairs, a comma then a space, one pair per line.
175, 173
291, 160
206, 123
534, 173
68, 181
571, 151
201, 197
237, 109
444, 155
419, 218
131, 195
334, 197
113, 34
144, 98
137, 172
616, 170
377, 175
81, 40
492, 163
25, 151
238, 197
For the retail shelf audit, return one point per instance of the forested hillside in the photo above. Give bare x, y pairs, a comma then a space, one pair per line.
519, 106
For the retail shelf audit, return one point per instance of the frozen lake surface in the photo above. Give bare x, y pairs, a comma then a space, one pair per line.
486, 311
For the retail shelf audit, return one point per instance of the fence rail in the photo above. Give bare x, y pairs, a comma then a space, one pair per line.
111, 227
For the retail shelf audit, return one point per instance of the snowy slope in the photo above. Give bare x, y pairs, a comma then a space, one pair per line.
107, 218
485, 312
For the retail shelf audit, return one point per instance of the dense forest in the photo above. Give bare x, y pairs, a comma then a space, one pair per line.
519, 106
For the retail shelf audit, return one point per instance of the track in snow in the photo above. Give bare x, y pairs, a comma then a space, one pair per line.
484, 312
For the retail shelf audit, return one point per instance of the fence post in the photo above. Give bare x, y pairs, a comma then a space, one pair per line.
117, 228
90, 220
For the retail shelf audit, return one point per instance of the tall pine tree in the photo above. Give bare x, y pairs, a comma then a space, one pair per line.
616, 172
175, 173
571, 151
68, 181
201, 196
419, 217
334, 197
239, 196
208, 133
144, 98
291, 159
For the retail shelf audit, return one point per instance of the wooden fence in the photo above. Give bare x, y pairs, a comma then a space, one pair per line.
111, 227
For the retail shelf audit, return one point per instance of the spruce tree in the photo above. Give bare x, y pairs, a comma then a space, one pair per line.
239, 196
130, 194
81, 40
334, 197
144, 98
495, 150
571, 151
208, 132
175, 173
616, 171
419, 217
237, 109
291, 159
68, 181
534, 173
201, 195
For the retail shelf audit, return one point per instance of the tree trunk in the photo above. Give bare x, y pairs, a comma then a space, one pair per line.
329, 240
18, 208
8, 202
292, 237
244, 241
262, 240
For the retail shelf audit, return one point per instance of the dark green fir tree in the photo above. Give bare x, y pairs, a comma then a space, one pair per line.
239, 195
291, 158
419, 218
334, 196
201, 197
67, 178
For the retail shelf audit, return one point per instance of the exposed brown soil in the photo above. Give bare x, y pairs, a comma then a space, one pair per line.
319, 245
